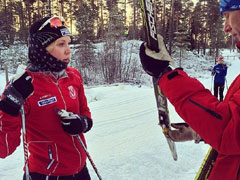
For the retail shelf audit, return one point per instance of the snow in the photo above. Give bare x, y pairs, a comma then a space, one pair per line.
126, 142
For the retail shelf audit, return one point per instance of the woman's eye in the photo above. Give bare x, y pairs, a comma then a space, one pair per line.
61, 44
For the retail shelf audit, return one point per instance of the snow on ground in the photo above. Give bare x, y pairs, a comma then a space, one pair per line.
126, 142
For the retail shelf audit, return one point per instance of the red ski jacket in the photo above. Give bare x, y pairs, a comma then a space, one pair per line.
218, 123
52, 150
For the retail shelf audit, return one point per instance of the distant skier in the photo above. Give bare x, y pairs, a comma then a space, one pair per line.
217, 122
56, 109
126, 33
219, 72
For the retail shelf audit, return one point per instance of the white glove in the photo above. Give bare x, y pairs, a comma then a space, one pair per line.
162, 55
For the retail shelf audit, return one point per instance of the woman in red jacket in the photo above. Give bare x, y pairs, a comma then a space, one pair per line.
218, 123
55, 107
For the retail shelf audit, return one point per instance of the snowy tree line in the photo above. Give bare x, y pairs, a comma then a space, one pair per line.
183, 23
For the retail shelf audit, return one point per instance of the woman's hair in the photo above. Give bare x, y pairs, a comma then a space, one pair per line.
50, 47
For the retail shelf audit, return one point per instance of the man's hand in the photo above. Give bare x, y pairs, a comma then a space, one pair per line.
156, 63
19, 88
73, 123
183, 133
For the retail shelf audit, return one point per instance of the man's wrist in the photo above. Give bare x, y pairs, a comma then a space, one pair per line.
165, 70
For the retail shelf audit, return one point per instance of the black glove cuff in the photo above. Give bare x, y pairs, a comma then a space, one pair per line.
12, 101
167, 69
9, 108
87, 123
171, 75
76, 126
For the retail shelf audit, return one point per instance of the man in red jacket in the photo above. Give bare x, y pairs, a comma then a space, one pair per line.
56, 109
218, 123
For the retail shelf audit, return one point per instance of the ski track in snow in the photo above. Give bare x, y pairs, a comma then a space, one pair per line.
138, 149
126, 142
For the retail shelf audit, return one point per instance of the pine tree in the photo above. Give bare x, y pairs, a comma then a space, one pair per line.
85, 22
112, 65
7, 28
84, 59
214, 26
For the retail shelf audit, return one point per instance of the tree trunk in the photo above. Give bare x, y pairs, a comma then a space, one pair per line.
171, 28
102, 21
134, 18
164, 20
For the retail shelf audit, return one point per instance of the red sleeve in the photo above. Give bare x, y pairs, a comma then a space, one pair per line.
10, 131
216, 122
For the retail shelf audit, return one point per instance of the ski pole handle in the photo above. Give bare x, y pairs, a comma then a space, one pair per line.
149, 24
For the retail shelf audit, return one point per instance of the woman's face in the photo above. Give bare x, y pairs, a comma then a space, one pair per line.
220, 61
60, 49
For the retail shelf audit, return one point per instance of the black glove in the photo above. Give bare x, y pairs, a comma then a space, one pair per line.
73, 123
19, 88
156, 63
183, 132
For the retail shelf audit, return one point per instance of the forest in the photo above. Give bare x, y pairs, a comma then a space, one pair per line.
192, 25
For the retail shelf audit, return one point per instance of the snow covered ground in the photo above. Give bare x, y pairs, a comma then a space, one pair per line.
126, 142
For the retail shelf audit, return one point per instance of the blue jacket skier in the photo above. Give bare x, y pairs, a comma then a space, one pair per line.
219, 72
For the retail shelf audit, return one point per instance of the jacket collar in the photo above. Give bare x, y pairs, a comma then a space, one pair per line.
57, 75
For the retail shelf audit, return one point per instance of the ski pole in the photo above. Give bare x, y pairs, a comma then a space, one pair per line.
207, 164
6, 73
226, 84
24, 136
211, 83
25, 145
89, 157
